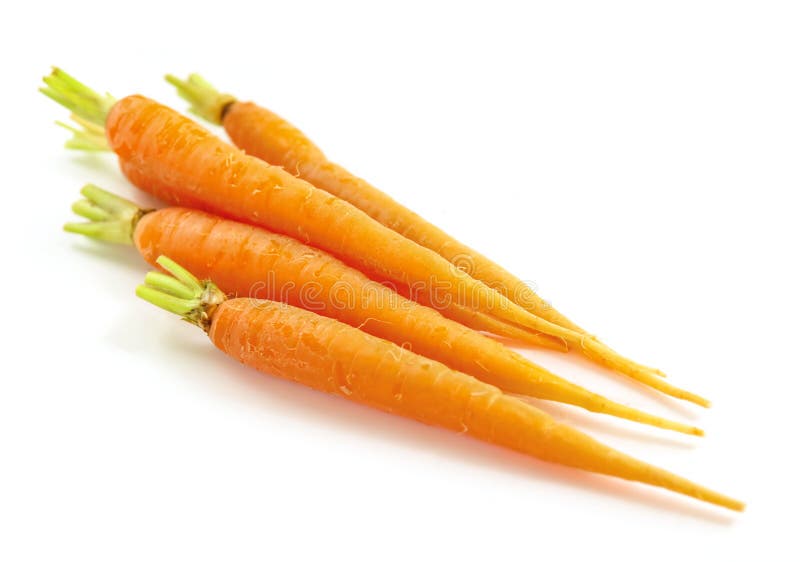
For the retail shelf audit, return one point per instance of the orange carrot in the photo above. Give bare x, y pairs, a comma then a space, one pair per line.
251, 262
333, 357
266, 135
180, 162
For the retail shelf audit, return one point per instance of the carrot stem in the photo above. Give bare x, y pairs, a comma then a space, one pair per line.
81, 100
181, 293
169, 285
185, 308
86, 209
89, 109
205, 100
89, 138
112, 218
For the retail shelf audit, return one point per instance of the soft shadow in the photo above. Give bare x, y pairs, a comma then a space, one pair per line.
295, 400
104, 171
600, 423
117, 254
678, 406
104, 163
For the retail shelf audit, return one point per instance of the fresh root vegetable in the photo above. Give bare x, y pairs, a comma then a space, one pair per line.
182, 163
251, 262
266, 135
333, 357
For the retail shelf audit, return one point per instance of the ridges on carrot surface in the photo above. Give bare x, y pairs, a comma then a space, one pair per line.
336, 358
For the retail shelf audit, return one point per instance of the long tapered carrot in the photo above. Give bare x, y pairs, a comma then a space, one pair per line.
333, 357
182, 163
266, 135
251, 262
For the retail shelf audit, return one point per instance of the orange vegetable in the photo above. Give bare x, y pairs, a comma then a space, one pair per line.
182, 163
266, 135
333, 357
251, 262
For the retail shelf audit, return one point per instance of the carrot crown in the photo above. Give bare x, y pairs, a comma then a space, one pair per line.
111, 218
205, 100
181, 293
88, 109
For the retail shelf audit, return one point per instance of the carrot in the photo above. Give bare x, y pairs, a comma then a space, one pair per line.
180, 162
251, 262
266, 135
262, 133
333, 357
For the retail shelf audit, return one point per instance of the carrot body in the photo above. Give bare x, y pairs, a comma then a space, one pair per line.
251, 262
338, 359
268, 136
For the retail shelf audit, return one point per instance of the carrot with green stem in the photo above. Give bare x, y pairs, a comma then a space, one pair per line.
266, 135
333, 357
251, 262
180, 162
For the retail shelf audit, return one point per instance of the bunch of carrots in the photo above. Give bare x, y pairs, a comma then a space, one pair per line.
395, 320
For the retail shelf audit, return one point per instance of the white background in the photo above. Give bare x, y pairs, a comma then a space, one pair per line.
637, 161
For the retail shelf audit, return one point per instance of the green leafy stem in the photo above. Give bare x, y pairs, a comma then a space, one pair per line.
181, 293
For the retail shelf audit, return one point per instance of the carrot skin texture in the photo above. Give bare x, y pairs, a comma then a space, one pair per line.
251, 262
268, 136
332, 357
259, 275
246, 261
182, 163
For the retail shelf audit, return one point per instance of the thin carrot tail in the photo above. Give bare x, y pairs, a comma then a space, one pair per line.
566, 392
205, 100
111, 218
486, 323
600, 353
632, 414
643, 368
88, 109
527, 429
655, 476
